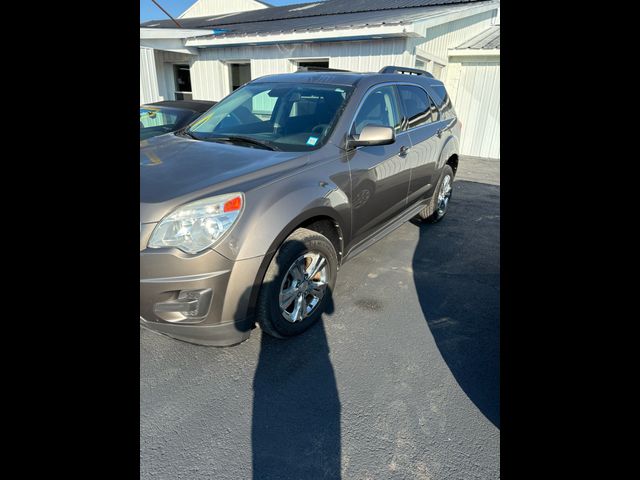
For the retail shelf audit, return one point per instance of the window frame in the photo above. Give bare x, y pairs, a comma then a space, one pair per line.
366, 96
403, 117
175, 67
424, 60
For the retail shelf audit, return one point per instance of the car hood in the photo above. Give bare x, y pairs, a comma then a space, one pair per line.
175, 170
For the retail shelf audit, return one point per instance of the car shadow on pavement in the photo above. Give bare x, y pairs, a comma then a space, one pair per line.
295, 431
456, 267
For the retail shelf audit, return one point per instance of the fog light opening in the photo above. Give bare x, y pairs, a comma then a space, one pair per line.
190, 306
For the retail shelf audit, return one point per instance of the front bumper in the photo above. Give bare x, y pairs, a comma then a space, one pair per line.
168, 276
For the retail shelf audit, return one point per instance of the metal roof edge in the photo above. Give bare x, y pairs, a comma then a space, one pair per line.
333, 35
473, 52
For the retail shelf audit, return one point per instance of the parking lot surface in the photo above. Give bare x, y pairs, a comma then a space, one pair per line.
400, 381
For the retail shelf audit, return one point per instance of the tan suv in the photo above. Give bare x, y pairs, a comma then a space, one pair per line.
247, 214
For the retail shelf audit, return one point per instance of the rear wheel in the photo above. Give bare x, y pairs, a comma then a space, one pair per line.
441, 198
297, 285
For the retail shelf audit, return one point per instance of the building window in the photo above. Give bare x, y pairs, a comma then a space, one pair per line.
322, 63
430, 66
240, 74
437, 70
182, 77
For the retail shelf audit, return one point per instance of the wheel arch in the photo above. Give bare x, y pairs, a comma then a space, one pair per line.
320, 219
449, 154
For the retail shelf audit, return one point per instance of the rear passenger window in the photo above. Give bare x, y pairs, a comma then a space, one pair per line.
418, 107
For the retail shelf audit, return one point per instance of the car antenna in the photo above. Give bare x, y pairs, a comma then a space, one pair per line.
166, 13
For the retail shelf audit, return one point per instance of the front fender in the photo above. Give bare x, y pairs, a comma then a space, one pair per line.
270, 216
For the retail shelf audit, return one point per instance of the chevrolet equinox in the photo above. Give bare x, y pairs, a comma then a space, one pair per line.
247, 213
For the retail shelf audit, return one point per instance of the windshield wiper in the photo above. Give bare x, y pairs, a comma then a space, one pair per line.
241, 139
187, 133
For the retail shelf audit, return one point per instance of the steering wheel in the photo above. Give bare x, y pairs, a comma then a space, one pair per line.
320, 129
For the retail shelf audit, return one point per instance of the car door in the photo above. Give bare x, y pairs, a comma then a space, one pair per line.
379, 174
423, 122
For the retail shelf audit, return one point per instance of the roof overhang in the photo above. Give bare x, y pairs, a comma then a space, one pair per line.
474, 52
457, 12
210, 38
175, 45
165, 33
333, 35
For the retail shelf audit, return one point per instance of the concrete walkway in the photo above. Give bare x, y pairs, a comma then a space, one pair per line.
477, 169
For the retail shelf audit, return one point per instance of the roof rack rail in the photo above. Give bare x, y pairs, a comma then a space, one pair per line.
320, 69
410, 71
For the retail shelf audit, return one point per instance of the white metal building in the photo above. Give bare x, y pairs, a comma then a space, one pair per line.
473, 81
222, 44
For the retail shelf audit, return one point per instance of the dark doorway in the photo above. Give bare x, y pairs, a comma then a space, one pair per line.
182, 77
314, 63
240, 74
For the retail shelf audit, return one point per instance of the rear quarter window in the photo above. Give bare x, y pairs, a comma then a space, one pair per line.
418, 106
441, 97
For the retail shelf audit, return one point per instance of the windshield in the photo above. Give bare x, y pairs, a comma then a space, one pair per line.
286, 116
158, 120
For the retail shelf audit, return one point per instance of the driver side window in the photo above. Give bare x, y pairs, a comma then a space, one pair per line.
379, 108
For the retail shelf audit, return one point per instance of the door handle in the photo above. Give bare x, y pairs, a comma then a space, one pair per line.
439, 133
403, 151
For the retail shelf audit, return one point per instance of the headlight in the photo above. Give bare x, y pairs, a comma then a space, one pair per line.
196, 226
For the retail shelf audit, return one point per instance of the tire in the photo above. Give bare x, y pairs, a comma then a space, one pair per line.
287, 275
436, 211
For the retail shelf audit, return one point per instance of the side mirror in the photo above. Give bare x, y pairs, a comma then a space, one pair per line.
372, 135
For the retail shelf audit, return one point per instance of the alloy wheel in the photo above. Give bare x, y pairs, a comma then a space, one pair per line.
303, 286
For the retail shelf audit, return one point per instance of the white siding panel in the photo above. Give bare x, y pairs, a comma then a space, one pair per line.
210, 73
475, 92
148, 77
218, 7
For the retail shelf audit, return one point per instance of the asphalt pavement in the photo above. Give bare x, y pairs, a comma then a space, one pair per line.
400, 381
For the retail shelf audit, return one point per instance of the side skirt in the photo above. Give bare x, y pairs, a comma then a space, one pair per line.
388, 228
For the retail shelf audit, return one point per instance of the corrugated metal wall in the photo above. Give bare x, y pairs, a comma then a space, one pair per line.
218, 7
474, 87
439, 39
148, 77
210, 74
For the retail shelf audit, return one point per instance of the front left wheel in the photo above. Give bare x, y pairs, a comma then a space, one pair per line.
297, 285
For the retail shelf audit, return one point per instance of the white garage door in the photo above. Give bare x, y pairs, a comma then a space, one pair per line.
477, 102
